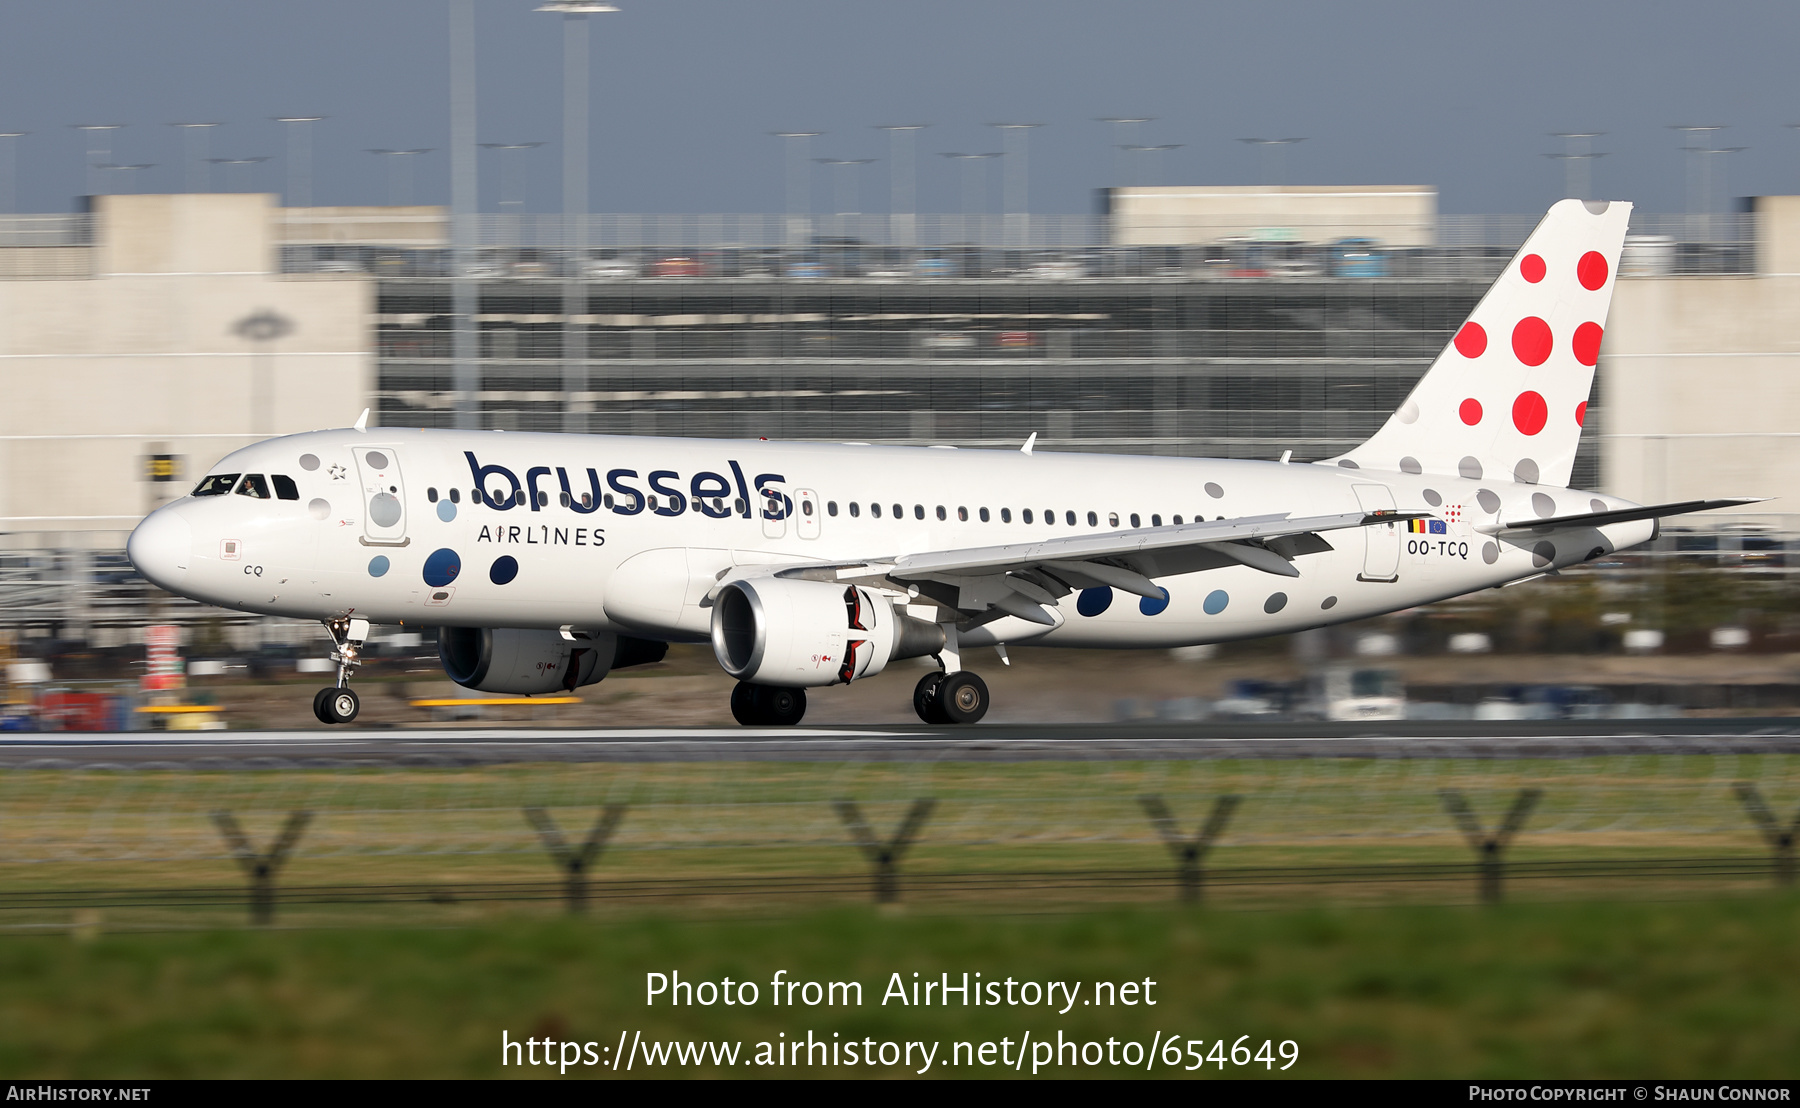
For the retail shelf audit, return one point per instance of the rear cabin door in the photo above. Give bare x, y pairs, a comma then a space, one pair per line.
1381, 555
384, 496
806, 513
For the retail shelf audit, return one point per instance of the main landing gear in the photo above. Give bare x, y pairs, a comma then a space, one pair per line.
339, 704
767, 705
953, 695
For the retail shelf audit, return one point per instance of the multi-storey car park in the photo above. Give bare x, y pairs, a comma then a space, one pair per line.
151, 336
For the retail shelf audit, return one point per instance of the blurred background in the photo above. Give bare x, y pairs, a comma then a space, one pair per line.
1216, 233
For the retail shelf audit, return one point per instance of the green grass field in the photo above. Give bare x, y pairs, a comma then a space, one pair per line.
1689, 989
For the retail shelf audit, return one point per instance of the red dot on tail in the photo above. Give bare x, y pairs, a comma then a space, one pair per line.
1471, 341
1587, 343
1531, 267
1530, 413
1591, 270
1581, 414
1470, 411
1531, 340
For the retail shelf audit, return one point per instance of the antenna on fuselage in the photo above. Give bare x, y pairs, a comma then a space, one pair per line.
362, 421
1029, 443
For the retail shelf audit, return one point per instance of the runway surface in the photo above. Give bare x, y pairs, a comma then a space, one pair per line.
322, 748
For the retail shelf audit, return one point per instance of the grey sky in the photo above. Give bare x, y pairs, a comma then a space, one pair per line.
1459, 95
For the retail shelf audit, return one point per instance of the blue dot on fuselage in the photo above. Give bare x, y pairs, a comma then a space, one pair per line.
1092, 602
505, 568
442, 567
446, 510
1154, 605
378, 565
1215, 602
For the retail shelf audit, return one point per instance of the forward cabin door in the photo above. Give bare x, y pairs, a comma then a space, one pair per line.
1381, 555
806, 519
384, 496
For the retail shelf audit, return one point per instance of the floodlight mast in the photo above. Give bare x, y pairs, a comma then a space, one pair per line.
299, 159
1125, 136
799, 197
1016, 194
902, 182
99, 149
196, 141
1274, 157
9, 169
243, 176
400, 175
575, 203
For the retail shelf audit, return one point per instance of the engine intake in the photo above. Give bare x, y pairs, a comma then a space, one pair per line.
517, 660
774, 631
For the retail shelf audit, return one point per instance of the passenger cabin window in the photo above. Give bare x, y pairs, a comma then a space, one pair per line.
984, 515
1069, 518
285, 487
254, 485
899, 512
1093, 520
1156, 521
1006, 515
962, 514
854, 510
875, 510
1050, 517
1025, 515
431, 496
940, 512
1176, 521
1134, 520
216, 485
456, 496
1112, 519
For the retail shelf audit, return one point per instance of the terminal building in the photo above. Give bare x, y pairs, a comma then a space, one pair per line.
148, 336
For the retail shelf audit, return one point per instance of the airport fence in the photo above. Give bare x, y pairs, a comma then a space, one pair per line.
183, 843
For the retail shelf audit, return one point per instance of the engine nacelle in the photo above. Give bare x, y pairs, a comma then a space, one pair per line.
514, 660
775, 631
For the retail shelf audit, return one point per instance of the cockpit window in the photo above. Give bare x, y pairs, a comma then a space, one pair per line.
217, 484
254, 485
285, 487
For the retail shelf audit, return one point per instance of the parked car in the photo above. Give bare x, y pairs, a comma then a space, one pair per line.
1356, 257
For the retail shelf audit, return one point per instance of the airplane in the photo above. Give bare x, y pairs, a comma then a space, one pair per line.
546, 561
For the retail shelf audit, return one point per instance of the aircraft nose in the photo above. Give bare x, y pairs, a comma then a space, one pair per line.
161, 548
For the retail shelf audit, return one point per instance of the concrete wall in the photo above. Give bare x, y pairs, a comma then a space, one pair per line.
1398, 215
184, 342
1700, 380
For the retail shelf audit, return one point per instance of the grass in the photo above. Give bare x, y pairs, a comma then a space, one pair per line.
1679, 990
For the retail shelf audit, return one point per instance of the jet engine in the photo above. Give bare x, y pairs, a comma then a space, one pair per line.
775, 631
516, 660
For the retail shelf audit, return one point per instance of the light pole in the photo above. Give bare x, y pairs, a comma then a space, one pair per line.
974, 186
902, 181
1125, 128
512, 187
1153, 155
1274, 157
465, 295
99, 149
299, 158
9, 169
195, 138
1017, 191
1695, 139
846, 192
575, 203
799, 197
127, 170
400, 176
237, 171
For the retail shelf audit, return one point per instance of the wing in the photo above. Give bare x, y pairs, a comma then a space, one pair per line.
1020, 579
1616, 515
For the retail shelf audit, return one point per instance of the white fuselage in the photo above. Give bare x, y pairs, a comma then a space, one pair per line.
617, 564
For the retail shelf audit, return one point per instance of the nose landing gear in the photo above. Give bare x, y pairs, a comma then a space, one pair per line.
339, 703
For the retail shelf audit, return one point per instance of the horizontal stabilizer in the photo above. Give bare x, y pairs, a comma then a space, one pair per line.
1618, 515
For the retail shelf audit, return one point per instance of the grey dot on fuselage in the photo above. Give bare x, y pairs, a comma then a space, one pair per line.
1526, 472
1488, 499
1411, 465
1214, 490
1348, 464
1469, 468
1543, 554
1490, 553
1543, 505
1432, 498
1597, 505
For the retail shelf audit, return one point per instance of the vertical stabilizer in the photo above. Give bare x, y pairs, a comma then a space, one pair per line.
1506, 398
